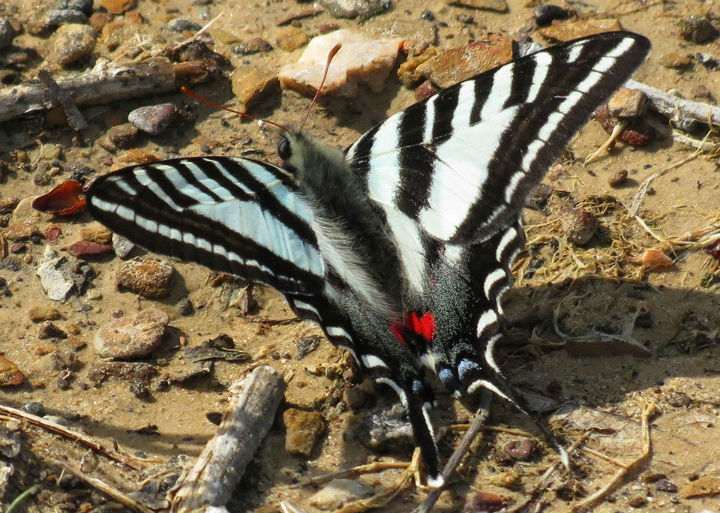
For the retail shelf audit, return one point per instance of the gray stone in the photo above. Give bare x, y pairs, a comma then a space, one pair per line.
56, 285
73, 42
181, 25
57, 17
362, 9
7, 33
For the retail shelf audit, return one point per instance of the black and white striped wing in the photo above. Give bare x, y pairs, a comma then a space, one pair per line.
461, 163
232, 215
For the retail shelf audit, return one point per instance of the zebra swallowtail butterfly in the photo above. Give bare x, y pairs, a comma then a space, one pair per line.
400, 247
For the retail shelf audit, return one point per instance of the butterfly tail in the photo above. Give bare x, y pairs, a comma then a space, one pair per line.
424, 433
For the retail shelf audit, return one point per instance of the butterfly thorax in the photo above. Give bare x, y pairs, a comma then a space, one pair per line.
352, 238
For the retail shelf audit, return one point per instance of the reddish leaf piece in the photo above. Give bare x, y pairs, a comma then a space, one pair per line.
66, 199
52, 233
85, 248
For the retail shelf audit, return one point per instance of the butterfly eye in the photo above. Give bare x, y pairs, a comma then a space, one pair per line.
283, 149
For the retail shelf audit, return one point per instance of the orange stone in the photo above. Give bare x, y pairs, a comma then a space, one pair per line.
118, 6
10, 374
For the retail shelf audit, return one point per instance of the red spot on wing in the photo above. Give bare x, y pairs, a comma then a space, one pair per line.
397, 330
423, 326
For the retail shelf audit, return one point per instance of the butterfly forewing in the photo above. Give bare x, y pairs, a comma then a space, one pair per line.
233, 215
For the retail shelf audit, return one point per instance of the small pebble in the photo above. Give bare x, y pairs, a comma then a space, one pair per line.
618, 178
49, 330
466, 19
118, 6
65, 379
181, 25
123, 136
139, 390
147, 276
675, 60
427, 15
10, 374
72, 43
701, 91
251, 84
291, 39
131, 337
52, 278
255, 45
303, 430
185, 307
7, 33
40, 313
627, 103
580, 225
153, 119
95, 232
85, 6
664, 485
483, 502
35, 408
121, 245
546, 14
57, 17
636, 501
519, 450
337, 493
215, 417
697, 29
362, 9
86, 249
307, 345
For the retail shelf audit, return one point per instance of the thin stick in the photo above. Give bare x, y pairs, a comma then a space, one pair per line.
625, 469
467, 440
92, 443
58, 95
104, 487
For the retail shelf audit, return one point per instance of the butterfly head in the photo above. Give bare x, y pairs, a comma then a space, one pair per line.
302, 153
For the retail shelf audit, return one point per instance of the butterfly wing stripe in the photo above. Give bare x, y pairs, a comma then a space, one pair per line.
490, 352
540, 67
488, 320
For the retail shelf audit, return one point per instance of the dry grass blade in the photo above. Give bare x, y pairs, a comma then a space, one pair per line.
625, 468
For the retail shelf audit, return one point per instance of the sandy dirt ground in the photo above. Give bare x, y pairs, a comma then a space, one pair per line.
589, 290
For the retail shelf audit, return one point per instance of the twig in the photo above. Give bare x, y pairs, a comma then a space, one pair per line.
95, 445
677, 109
104, 487
625, 469
105, 83
467, 440
58, 95
211, 481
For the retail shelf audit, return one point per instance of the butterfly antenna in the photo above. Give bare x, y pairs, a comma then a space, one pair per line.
187, 92
331, 55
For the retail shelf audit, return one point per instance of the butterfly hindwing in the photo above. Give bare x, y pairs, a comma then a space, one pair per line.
462, 162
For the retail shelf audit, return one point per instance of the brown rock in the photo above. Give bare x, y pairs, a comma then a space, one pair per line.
87, 249
252, 46
458, 64
698, 91
250, 84
407, 72
50, 330
10, 374
303, 429
618, 178
122, 371
95, 232
675, 60
123, 136
40, 313
697, 29
569, 30
579, 225
115, 33
98, 20
519, 450
291, 39
118, 6
488, 5
147, 276
627, 103
131, 337
22, 230
72, 42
